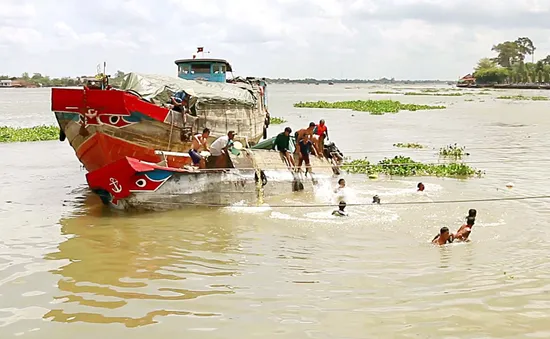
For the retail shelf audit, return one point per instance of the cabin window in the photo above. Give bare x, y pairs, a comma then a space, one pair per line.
218, 68
200, 68
184, 69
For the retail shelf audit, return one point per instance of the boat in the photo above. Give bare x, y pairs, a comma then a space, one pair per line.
134, 143
466, 81
250, 176
105, 124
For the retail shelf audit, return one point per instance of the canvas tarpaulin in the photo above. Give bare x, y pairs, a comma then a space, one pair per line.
160, 88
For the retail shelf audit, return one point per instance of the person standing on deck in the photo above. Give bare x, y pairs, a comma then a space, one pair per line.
304, 132
305, 148
199, 141
320, 133
282, 144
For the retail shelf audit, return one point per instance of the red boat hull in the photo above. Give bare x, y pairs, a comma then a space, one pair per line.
104, 126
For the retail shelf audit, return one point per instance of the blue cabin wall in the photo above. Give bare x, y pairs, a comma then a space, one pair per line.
210, 76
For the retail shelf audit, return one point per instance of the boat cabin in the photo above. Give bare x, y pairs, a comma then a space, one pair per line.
203, 69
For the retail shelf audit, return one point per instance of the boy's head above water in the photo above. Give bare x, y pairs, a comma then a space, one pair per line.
342, 205
342, 182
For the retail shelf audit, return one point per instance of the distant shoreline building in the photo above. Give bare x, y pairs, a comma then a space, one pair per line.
6, 83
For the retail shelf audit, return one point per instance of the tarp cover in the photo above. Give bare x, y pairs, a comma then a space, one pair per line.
268, 144
159, 88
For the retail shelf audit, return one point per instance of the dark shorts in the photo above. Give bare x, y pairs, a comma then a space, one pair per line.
304, 158
195, 156
283, 151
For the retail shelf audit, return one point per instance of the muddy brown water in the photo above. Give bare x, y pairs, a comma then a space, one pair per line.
68, 267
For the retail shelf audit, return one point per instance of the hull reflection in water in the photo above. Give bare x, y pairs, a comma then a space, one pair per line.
133, 270
130, 184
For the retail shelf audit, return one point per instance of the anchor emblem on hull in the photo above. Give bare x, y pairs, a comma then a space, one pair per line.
92, 113
115, 185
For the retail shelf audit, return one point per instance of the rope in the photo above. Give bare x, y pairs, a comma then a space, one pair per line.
467, 149
171, 129
408, 203
350, 166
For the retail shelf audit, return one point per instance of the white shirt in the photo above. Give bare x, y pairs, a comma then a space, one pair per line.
218, 145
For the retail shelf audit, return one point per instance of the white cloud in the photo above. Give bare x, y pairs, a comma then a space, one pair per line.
277, 38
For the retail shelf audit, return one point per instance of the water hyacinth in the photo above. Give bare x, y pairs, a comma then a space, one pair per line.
453, 151
23, 134
406, 167
408, 145
276, 120
376, 107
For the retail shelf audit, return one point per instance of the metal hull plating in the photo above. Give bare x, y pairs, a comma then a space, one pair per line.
129, 184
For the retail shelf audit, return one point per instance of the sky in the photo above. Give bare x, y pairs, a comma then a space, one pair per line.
365, 39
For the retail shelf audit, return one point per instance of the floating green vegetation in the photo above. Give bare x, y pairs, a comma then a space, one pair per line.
453, 151
385, 92
435, 94
22, 134
408, 145
406, 167
377, 107
276, 120
522, 97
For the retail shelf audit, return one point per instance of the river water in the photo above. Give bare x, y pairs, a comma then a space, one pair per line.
68, 267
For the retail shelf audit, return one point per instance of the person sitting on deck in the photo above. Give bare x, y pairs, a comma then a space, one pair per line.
443, 237
305, 148
282, 144
319, 134
199, 141
180, 101
464, 231
340, 211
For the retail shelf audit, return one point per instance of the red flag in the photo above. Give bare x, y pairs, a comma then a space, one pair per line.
200, 49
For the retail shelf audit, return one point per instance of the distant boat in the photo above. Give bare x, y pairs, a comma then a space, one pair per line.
331, 83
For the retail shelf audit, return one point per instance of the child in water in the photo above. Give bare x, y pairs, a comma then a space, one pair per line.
341, 186
444, 237
340, 190
420, 187
340, 211
464, 231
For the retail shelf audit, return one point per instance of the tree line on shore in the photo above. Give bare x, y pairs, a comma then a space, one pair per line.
509, 66
39, 80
